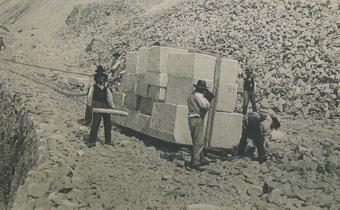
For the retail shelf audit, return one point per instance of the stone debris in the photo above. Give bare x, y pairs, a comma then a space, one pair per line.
293, 46
202, 207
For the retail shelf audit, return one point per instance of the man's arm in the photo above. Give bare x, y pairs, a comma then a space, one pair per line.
90, 97
201, 101
110, 99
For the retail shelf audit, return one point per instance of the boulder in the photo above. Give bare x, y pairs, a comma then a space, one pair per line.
203, 207
277, 135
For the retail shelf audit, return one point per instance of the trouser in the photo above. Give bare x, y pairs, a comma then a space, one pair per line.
88, 112
249, 96
97, 117
88, 115
258, 139
196, 125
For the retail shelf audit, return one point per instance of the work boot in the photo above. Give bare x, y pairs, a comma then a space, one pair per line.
193, 167
109, 143
92, 145
262, 159
203, 162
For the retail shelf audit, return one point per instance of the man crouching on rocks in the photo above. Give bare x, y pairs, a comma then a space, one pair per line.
100, 96
198, 106
256, 126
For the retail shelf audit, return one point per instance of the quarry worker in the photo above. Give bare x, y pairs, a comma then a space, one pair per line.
100, 96
92, 82
198, 106
257, 126
249, 91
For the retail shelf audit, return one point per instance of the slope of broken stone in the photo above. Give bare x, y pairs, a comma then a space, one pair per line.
293, 46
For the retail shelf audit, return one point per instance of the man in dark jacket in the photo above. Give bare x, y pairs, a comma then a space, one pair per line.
198, 106
256, 126
88, 111
100, 96
249, 91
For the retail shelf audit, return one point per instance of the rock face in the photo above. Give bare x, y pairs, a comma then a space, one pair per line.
18, 147
156, 87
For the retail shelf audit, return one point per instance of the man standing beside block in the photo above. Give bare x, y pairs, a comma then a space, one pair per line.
198, 106
100, 96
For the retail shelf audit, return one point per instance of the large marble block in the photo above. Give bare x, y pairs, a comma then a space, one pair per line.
226, 97
131, 101
157, 79
129, 82
131, 62
118, 99
142, 87
228, 71
135, 121
192, 65
179, 88
158, 58
227, 129
170, 123
142, 60
156, 93
146, 105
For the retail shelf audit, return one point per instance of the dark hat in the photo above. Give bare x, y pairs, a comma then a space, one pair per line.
100, 69
249, 69
201, 84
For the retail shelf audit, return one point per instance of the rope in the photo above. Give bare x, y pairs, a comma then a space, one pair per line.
41, 67
53, 87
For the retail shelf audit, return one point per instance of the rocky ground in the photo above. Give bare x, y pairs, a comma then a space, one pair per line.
140, 172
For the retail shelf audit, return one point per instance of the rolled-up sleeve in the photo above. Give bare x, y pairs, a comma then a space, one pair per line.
90, 97
201, 101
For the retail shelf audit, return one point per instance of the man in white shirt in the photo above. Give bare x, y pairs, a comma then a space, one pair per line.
198, 106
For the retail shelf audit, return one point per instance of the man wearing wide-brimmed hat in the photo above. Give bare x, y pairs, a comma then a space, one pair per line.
100, 96
198, 106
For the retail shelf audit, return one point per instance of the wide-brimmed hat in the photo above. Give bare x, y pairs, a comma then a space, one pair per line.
201, 84
100, 71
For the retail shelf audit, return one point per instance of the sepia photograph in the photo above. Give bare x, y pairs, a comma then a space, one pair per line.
169, 104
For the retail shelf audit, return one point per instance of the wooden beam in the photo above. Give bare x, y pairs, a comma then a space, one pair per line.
212, 111
109, 111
